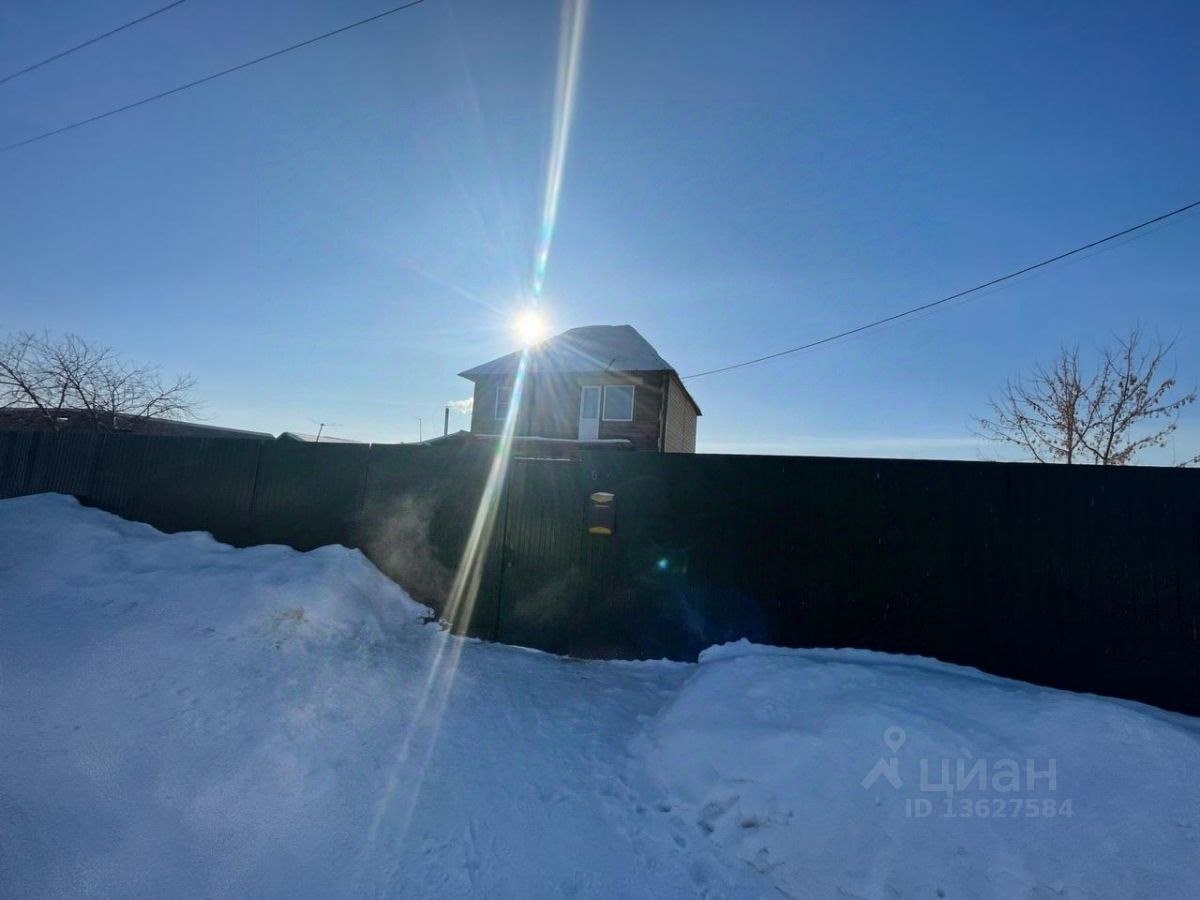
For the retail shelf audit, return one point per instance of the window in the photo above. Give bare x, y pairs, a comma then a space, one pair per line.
503, 398
618, 403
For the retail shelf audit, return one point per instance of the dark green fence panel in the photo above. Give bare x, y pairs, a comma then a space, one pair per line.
663, 585
419, 506
1187, 519
121, 461
16, 462
308, 495
198, 484
64, 463
543, 524
176, 483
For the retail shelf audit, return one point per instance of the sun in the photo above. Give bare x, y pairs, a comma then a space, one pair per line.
529, 326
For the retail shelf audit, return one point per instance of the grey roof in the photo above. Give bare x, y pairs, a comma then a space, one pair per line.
591, 348
24, 418
312, 438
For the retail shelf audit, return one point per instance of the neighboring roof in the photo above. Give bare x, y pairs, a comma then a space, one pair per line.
591, 348
24, 418
456, 437
312, 438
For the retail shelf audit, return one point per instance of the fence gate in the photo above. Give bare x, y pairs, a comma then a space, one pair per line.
541, 532
564, 590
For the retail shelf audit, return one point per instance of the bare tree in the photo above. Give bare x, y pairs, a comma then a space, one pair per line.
73, 380
1061, 413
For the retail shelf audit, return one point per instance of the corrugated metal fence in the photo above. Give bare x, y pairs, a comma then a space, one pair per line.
407, 507
1076, 577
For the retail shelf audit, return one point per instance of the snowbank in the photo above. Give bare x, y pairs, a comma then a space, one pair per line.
180, 718
998, 788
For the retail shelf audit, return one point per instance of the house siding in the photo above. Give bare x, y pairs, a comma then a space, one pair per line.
550, 407
679, 430
483, 407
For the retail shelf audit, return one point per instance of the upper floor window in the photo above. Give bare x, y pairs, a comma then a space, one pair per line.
618, 403
503, 399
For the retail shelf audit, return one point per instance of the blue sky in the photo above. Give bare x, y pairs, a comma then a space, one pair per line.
334, 234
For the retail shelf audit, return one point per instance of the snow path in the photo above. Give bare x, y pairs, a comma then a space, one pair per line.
182, 719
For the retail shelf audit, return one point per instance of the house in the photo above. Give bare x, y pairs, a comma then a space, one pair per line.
595, 383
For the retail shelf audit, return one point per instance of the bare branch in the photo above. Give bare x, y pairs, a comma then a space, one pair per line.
1128, 405
88, 381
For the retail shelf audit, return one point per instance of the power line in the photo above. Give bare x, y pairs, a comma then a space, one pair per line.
208, 78
90, 41
934, 303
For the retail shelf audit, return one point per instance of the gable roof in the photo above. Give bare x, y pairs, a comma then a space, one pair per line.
591, 348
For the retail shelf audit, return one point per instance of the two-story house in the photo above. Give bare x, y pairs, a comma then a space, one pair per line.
598, 382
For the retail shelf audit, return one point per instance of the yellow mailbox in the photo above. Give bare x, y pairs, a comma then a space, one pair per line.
602, 513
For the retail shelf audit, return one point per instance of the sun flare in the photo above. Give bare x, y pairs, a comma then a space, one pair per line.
529, 326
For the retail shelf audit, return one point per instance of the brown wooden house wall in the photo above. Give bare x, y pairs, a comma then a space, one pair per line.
550, 407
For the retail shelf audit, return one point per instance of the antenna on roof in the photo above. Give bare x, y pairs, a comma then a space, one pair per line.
321, 428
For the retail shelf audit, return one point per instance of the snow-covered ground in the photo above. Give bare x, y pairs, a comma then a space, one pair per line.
182, 719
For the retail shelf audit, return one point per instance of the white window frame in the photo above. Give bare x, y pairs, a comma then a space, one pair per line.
583, 393
500, 392
604, 416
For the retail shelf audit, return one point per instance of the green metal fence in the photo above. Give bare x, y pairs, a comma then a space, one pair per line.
1076, 577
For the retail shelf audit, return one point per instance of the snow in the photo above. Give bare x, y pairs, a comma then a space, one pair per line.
787, 737
181, 718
